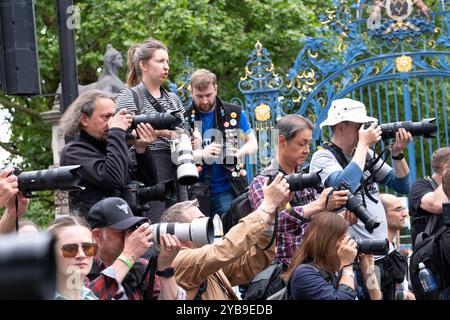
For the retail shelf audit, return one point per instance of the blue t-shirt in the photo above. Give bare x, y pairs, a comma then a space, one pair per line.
219, 181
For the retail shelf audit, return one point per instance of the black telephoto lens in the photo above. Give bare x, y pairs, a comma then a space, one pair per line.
356, 206
158, 121
378, 247
426, 128
300, 181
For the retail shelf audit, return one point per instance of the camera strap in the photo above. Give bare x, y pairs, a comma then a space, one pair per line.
151, 267
155, 104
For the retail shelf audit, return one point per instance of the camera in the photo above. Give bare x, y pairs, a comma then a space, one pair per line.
187, 173
446, 213
378, 247
426, 128
299, 181
356, 206
158, 121
200, 231
137, 195
64, 178
27, 267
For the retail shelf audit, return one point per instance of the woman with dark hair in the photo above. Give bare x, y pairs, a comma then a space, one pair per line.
322, 267
75, 251
148, 68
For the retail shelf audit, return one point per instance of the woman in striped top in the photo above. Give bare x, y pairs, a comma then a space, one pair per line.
148, 68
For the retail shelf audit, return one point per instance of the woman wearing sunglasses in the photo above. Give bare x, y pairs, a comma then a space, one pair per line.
75, 251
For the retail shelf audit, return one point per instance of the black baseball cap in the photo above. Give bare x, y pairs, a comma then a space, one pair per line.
113, 213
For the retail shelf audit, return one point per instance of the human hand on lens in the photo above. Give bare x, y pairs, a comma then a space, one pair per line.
146, 134
169, 248
212, 151
349, 217
336, 200
402, 139
196, 140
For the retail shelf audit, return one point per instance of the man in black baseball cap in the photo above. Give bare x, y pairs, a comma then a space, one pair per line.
118, 268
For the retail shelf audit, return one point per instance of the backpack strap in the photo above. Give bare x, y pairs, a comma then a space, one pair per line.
138, 98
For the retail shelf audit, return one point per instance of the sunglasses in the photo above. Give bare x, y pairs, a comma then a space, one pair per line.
70, 250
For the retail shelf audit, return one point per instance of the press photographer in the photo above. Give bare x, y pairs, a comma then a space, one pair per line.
118, 270
222, 173
100, 148
348, 158
322, 268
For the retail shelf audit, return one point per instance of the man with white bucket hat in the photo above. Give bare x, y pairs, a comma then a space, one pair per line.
349, 159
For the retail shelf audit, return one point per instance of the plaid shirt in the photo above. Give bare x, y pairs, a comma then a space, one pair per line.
107, 288
290, 227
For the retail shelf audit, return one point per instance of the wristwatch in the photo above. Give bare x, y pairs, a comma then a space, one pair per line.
399, 157
166, 273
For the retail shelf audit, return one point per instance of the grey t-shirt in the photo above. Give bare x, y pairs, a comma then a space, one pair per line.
325, 160
168, 101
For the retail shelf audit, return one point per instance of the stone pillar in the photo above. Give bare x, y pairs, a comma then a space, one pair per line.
52, 117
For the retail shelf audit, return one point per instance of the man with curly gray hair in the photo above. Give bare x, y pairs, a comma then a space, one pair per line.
101, 148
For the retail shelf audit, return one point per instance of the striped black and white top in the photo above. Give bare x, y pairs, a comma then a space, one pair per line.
169, 102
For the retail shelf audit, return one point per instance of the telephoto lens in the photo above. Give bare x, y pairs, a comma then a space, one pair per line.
200, 231
64, 178
159, 121
356, 206
300, 181
426, 128
187, 173
379, 247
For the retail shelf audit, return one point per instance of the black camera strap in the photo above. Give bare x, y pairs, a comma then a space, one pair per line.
151, 267
151, 99
16, 201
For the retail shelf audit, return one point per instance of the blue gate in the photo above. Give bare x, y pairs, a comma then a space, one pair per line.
399, 66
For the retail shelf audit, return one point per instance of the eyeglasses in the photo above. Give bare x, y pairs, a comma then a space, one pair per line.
70, 250
398, 209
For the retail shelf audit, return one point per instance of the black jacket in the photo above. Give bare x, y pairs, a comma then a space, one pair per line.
107, 167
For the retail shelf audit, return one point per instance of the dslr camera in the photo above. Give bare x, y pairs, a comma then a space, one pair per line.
356, 206
298, 181
426, 128
64, 178
137, 195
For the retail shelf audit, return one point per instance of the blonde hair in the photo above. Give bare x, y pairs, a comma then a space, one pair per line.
141, 52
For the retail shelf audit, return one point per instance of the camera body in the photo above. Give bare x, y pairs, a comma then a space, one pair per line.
426, 128
137, 195
297, 181
356, 206
373, 246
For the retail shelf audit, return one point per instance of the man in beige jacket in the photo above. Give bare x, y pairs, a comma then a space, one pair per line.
209, 272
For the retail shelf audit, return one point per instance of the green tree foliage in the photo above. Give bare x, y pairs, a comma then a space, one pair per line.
215, 34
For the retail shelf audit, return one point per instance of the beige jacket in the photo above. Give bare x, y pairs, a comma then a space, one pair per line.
233, 260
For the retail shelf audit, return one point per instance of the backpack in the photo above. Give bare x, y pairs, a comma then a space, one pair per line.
239, 208
434, 252
266, 283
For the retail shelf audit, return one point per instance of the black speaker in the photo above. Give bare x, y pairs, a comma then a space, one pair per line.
18, 48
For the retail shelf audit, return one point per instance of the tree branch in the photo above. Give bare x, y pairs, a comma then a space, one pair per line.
10, 105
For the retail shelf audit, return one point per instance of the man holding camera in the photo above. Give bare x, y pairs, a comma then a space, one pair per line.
427, 196
209, 272
223, 126
348, 159
9, 190
394, 286
101, 149
118, 272
295, 135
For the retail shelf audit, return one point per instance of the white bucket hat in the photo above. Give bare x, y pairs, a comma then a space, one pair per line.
346, 110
